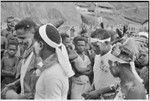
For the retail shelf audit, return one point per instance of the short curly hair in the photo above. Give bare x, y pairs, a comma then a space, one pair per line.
26, 23
101, 34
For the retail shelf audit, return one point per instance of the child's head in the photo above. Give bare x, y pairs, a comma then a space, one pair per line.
80, 44
65, 39
12, 46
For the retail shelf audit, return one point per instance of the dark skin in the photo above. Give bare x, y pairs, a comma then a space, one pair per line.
80, 50
12, 49
95, 94
99, 48
130, 86
26, 36
71, 52
10, 23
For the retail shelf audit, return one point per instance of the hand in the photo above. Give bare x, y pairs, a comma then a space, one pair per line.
91, 95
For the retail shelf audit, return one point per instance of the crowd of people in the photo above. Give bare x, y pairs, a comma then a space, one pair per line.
39, 62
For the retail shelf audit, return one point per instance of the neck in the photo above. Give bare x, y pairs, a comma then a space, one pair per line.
126, 75
45, 54
108, 49
11, 56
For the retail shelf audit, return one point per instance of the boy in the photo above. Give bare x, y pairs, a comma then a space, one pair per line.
9, 63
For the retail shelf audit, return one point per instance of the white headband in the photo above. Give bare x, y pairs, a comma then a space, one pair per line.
98, 40
143, 34
114, 58
61, 53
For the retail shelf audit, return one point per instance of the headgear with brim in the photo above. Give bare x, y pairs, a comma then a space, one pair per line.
62, 54
132, 47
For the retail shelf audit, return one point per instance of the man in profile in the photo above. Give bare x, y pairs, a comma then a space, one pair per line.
53, 82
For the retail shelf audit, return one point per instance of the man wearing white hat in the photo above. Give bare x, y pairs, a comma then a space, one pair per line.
53, 81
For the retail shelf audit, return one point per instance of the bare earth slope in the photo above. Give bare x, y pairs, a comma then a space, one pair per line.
41, 12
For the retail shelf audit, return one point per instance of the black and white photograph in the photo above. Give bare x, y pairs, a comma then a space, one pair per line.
74, 50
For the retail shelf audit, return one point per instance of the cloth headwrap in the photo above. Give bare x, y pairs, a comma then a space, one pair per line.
98, 40
114, 58
62, 54
143, 34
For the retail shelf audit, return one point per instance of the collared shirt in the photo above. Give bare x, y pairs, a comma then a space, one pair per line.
52, 83
30, 79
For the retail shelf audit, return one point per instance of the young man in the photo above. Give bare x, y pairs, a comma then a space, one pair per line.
25, 30
9, 63
122, 65
8, 32
82, 67
104, 81
53, 82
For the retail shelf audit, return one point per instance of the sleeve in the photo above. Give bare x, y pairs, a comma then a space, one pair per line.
53, 88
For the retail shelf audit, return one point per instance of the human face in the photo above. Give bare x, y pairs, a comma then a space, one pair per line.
80, 46
142, 60
11, 23
12, 49
67, 42
114, 68
37, 48
25, 37
101, 47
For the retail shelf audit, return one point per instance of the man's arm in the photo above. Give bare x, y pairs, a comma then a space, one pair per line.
96, 93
